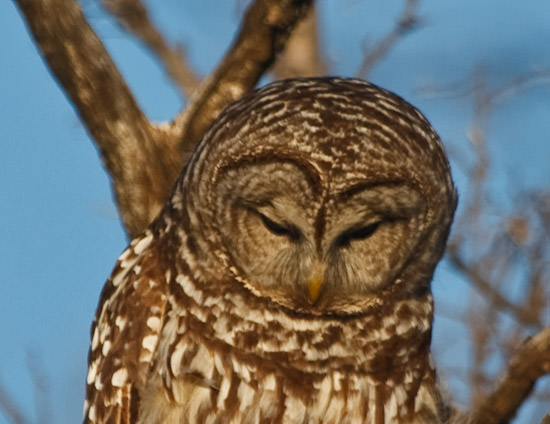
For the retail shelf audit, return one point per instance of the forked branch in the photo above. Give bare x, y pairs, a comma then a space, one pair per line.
143, 159
89, 77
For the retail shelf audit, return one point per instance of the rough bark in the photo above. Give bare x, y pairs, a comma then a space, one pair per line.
127, 141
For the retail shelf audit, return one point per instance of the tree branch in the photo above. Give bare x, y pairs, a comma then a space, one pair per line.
524, 315
124, 136
142, 159
530, 362
10, 409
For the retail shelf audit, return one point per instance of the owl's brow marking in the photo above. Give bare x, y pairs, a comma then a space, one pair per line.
268, 158
357, 188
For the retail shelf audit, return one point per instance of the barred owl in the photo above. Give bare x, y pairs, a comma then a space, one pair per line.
287, 280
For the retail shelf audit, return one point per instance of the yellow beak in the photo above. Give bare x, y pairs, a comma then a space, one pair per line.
315, 282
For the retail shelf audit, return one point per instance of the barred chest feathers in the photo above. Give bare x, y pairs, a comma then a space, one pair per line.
257, 365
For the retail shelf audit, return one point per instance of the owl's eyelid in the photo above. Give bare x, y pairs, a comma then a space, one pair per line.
397, 200
358, 232
363, 231
280, 229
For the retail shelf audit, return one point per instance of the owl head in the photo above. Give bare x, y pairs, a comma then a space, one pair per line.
320, 195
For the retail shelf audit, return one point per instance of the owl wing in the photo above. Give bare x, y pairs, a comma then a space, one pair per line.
125, 333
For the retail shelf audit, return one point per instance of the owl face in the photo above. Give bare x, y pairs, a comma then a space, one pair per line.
309, 246
322, 194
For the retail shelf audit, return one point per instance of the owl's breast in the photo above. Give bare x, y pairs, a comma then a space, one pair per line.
217, 387
201, 379
236, 359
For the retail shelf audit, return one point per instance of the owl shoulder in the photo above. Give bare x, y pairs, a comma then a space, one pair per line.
126, 330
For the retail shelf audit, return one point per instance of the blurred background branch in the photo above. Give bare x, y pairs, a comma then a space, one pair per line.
407, 22
134, 17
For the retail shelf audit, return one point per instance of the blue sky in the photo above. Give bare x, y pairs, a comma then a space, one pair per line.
61, 235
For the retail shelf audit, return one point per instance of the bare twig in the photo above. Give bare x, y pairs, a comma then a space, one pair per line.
507, 90
487, 290
530, 362
10, 409
489, 254
133, 16
471, 220
481, 337
41, 386
407, 22
517, 85
13, 411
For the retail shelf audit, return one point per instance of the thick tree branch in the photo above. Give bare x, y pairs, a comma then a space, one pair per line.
530, 362
134, 17
126, 139
265, 28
